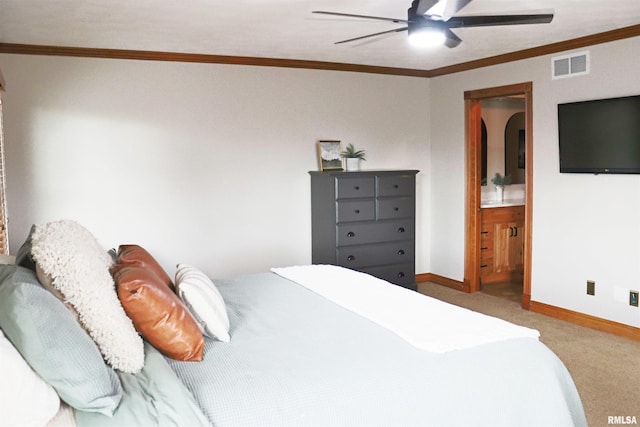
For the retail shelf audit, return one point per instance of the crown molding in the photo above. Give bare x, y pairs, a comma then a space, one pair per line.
146, 55
581, 42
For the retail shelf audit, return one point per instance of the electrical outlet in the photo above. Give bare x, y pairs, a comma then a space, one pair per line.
633, 298
591, 287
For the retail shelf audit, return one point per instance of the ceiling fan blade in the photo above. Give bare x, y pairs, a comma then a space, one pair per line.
396, 30
452, 7
452, 40
490, 20
349, 15
420, 7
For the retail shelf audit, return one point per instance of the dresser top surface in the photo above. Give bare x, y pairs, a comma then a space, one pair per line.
367, 172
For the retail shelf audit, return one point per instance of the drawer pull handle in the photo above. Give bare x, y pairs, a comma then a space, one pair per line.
483, 266
351, 234
357, 187
396, 186
357, 211
401, 230
401, 252
401, 275
484, 232
484, 249
351, 258
396, 209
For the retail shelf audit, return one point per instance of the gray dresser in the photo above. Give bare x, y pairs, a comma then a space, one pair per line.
365, 221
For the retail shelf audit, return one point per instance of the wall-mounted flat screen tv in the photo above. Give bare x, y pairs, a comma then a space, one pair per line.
600, 136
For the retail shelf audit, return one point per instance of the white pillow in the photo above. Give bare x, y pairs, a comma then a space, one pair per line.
26, 399
78, 267
204, 301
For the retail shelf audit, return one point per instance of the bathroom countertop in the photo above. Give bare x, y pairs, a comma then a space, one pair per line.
484, 204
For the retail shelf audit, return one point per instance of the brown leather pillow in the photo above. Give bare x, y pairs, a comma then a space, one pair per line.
137, 255
157, 313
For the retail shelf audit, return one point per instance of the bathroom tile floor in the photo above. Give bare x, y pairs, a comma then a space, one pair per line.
508, 290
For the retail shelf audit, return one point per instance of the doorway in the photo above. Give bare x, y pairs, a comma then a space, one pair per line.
473, 179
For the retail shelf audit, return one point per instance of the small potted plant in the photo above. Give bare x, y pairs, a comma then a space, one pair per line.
500, 181
353, 157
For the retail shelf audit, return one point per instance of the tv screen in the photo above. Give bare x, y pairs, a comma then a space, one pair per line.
600, 136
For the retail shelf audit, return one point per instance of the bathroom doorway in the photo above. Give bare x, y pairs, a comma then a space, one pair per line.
475, 169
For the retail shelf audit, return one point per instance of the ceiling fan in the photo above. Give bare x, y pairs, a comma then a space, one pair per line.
431, 21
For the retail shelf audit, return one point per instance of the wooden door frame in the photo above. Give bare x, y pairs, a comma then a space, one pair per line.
473, 146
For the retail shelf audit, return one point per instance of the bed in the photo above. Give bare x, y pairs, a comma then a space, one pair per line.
315, 346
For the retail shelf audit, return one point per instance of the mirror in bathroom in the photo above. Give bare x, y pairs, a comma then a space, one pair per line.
503, 137
514, 138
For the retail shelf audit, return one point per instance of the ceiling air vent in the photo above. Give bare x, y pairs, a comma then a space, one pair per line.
575, 64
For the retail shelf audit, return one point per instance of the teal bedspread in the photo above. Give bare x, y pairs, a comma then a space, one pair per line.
297, 359
153, 397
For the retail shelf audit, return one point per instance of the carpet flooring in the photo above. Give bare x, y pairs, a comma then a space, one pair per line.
604, 367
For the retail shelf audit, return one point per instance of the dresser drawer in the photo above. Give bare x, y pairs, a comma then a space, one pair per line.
395, 207
347, 187
486, 265
376, 254
396, 185
356, 210
400, 274
374, 232
486, 257
501, 215
486, 240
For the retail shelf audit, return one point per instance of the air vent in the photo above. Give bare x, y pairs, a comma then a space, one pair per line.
575, 64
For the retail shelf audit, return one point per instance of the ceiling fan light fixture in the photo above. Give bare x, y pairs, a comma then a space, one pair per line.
429, 22
426, 37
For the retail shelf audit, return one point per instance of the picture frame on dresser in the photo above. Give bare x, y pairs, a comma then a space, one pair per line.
329, 158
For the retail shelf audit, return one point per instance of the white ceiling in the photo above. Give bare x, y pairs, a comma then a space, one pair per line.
287, 29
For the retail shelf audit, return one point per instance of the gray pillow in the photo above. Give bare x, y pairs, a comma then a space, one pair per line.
23, 257
54, 344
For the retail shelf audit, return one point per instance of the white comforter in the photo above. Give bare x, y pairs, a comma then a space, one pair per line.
424, 322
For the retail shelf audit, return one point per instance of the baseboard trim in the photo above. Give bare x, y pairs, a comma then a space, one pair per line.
586, 320
440, 280
567, 315
526, 301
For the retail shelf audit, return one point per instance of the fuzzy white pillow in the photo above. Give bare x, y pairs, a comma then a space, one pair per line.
26, 400
204, 301
78, 267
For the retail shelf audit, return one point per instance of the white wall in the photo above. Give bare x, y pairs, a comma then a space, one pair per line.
203, 164
208, 164
584, 226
